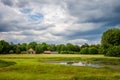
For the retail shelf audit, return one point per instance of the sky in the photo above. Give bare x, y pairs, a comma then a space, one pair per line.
57, 21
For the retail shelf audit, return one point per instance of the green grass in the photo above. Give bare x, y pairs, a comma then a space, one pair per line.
32, 67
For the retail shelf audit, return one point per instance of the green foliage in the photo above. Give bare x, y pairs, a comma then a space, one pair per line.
1, 47
39, 49
32, 45
111, 37
113, 51
18, 51
44, 46
52, 47
84, 51
23, 52
23, 47
11, 51
93, 50
64, 52
85, 45
70, 47
101, 50
110, 41
4, 47
67, 52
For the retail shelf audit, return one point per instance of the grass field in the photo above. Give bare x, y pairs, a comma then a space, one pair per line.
33, 67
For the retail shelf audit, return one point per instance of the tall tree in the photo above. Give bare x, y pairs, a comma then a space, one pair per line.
70, 47
23, 47
5, 47
85, 45
111, 37
39, 48
32, 45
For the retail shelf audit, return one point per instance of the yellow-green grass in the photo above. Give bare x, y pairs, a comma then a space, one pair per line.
50, 55
32, 67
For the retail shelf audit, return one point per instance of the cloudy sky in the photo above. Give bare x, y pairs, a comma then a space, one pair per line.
57, 21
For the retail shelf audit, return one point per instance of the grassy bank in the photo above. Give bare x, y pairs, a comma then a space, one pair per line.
32, 67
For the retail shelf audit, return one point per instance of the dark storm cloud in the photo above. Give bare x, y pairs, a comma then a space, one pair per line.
95, 10
7, 2
22, 3
6, 27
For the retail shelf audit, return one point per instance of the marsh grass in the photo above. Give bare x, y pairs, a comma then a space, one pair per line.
6, 63
32, 67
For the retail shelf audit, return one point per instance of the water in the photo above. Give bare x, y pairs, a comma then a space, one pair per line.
80, 63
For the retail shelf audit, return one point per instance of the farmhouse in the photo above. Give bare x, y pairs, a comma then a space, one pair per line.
50, 52
47, 52
31, 51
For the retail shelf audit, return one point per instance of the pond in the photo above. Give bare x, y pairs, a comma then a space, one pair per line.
73, 63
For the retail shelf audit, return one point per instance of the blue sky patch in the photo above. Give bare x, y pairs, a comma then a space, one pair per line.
36, 17
26, 10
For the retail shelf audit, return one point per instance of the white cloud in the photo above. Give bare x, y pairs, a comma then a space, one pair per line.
60, 22
78, 41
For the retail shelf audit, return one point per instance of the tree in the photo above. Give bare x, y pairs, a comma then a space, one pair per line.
4, 47
23, 47
11, 51
93, 50
114, 51
76, 48
111, 37
52, 47
70, 47
18, 49
39, 49
85, 45
32, 45
1, 47
44, 46
84, 51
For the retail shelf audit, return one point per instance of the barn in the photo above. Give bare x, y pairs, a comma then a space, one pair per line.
31, 51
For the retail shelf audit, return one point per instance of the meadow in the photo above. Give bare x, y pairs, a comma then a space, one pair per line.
33, 67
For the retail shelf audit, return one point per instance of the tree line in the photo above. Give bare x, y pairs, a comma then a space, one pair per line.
69, 48
110, 46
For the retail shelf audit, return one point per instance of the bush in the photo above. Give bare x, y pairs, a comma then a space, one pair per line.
69, 52
23, 52
11, 51
64, 52
93, 50
113, 51
84, 51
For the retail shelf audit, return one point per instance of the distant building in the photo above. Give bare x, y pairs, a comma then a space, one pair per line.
50, 52
31, 51
47, 52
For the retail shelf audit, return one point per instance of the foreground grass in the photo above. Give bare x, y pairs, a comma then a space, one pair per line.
32, 67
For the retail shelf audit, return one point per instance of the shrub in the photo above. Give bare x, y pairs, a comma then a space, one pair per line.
11, 51
102, 50
23, 52
113, 51
93, 50
64, 52
84, 51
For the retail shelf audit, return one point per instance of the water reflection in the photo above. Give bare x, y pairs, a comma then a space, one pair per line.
80, 63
